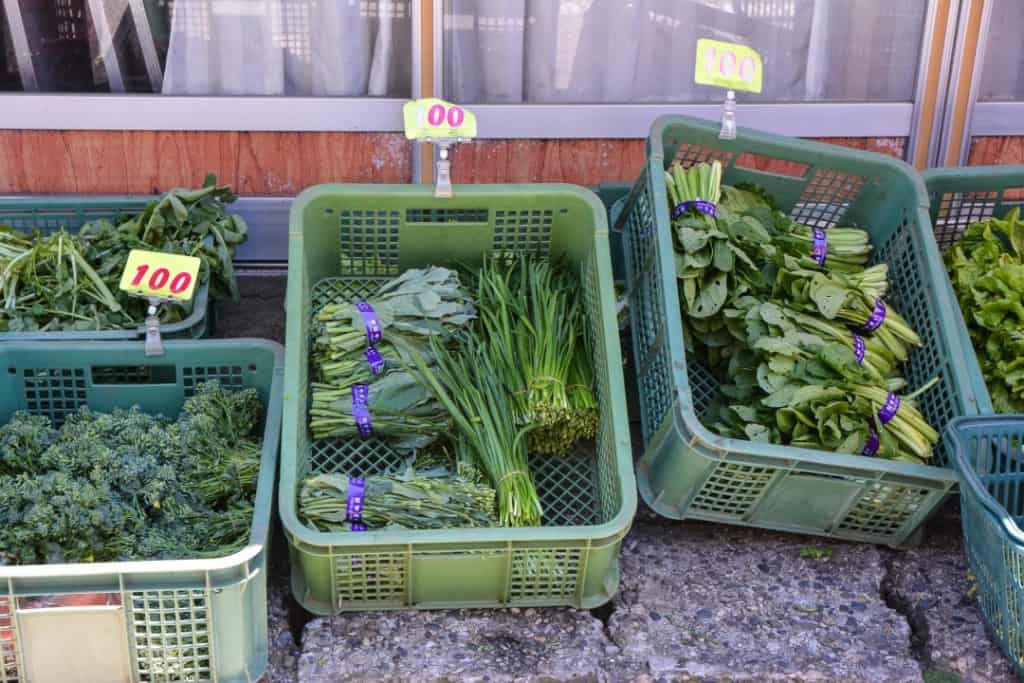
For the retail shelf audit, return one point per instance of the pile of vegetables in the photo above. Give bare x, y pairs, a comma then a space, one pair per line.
69, 281
986, 268
793, 323
128, 485
488, 373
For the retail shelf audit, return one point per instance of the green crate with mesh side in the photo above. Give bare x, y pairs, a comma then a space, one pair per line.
52, 212
688, 471
988, 453
589, 500
961, 196
149, 621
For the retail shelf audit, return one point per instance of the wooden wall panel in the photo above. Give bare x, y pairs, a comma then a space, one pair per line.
125, 162
583, 162
284, 163
996, 150
587, 162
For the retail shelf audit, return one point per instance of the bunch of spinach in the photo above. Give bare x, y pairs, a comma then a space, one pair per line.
777, 311
986, 268
129, 485
69, 281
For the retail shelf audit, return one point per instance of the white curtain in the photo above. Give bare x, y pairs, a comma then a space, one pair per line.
342, 48
552, 51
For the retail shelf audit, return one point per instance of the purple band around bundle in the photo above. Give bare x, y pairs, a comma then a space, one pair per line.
820, 249
877, 317
361, 409
354, 506
375, 360
871, 447
859, 349
357, 526
702, 205
373, 331
889, 410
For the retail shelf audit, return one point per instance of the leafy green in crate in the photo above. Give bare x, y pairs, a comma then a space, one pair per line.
986, 268
128, 485
69, 281
435, 498
793, 322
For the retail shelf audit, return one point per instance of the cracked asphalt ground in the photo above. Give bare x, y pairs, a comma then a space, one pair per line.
697, 602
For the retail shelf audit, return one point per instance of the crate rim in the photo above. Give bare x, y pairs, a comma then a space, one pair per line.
616, 527
459, 190
267, 478
970, 483
1014, 172
656, 148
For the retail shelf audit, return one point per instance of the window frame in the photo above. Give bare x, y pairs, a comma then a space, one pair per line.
996, 118
31, 110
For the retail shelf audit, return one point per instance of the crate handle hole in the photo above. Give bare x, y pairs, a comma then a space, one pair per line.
134, 374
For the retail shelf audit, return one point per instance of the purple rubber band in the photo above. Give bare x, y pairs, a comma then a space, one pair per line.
702, 205
375, 360
820, 248
373, 331
871, 447
859, 349
357, 526
876, 319
889, 410
361, 409
354, 505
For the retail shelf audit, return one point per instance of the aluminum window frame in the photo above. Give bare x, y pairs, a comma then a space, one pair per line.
988, 118
803, 119
30, 110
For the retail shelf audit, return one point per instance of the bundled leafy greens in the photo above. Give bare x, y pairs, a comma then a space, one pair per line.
498, 375
532, 317
793, 323
128, 485
434, 498
404, 314
986, 268
65, 281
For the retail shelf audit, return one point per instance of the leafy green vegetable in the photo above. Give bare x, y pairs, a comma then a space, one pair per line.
986, 268
468, 381
410, 499
532, 316
128, 485
792, 322
65, 281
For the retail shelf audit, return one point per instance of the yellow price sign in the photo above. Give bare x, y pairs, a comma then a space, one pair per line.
156, 274
728, 65
434, 118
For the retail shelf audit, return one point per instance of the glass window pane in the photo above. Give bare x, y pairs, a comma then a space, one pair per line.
551, 51
339, 48
1002, 74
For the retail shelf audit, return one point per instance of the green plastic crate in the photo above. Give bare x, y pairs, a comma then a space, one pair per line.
962, 196
52, 212
589, 500
988, 453
686, 470
168, 620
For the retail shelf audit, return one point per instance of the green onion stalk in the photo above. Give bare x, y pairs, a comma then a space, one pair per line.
470, 383
532, 317
412, 499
